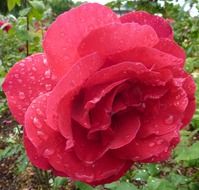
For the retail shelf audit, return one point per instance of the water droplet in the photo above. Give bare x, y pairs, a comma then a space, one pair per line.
16, 75
19, 81
136, 158
169, 119
48, 152
159, 141
32, 78
151, 144
21, 95
42, 135
34, 69
37, 123
39, 112
48, 87
45, 61
47, 74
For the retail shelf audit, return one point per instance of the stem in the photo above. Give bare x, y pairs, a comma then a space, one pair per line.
27, 29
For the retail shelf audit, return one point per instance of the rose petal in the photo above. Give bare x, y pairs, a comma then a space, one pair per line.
89, 150
59, 102
150, 57
33, 156
189, 86
26, 80
105, 169
64, 35
159, 24
39, 133
160, 124
125, 127
189, 112
175, 100
142, 149
112, 39
115, 73
87, 100
171, 47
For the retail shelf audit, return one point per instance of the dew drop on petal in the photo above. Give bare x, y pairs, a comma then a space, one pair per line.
152, 144
48, 152
48, 87
21, 95
42, 135
169, 120
37, 123
47, 74
39, 112
159, 141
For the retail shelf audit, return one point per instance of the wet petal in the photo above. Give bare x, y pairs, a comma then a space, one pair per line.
151, 58
171, 47
33, 156
64, 35
26, 80
125, 127
89, 150
37, 131
105, 169
159, 24
59, 102
142, 149
112, 39
115, 73
175, 100
189, 112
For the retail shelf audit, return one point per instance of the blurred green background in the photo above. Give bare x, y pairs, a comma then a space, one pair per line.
29, 20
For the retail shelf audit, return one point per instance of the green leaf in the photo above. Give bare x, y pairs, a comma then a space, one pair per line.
141, 175
120, 186
125, 186
83, 186
11, 4
59, 181
159, 184
189, 153
37, 5
111, 185
24, 12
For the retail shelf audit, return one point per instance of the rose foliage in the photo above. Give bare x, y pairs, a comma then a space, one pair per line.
108, 91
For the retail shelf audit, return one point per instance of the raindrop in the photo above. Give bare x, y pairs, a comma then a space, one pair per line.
21, 95
42, 135
159, 141
19, 80
16, 75
151, 144
37, 122
45, 61
169, 119
39, 112
47, 74
22, 64
48, 152
34, 69
48, 87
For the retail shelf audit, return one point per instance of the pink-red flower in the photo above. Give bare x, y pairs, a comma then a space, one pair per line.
5, 26
107, 91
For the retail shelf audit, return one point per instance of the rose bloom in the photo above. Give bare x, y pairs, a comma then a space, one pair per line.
5, 26
108, 91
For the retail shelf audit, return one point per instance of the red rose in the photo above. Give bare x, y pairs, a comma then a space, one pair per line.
5, 26
105, 93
